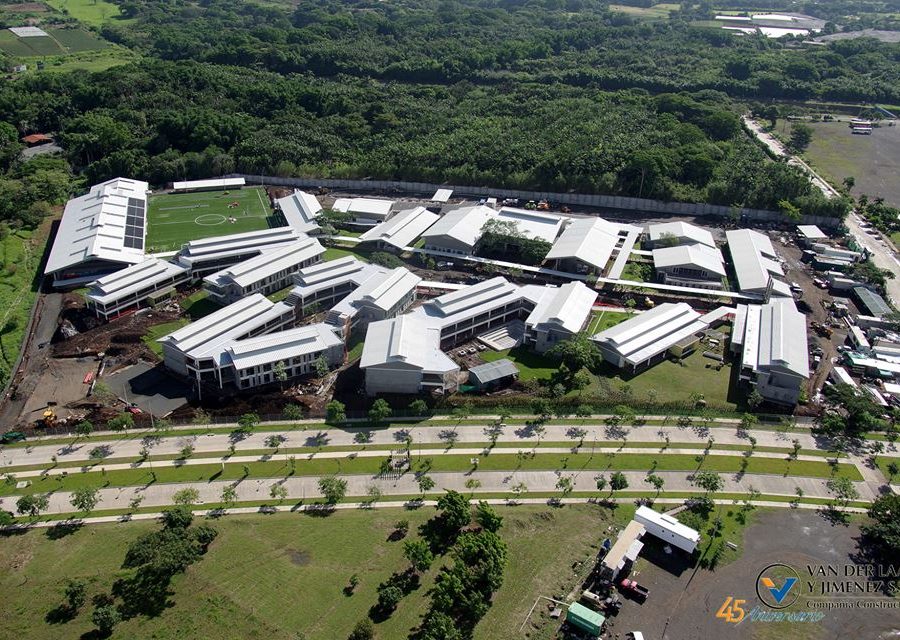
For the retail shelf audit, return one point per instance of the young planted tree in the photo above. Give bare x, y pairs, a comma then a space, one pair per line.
32, 504
487, 517
843, 490
709, 481
292, 412
380, 411
76, 594
564, 485
84, 428
247, 421
425, 483
335, 412
617, 482
278, 492
657, 481
333, 489
186, 497
85, 499
229, 496
418, 408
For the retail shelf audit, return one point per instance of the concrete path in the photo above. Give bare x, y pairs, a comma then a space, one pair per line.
346, 506
306, 488
394, 436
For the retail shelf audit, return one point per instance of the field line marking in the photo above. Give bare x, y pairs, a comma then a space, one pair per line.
262, 202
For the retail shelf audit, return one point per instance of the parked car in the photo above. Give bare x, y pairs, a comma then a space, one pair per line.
11, 436
631, 587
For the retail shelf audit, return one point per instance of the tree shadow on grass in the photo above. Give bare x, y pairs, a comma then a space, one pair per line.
145, 593
60, 615
63, 529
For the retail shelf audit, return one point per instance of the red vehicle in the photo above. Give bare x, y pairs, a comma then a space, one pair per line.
632, 588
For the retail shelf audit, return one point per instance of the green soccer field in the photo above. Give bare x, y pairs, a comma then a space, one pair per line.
175, 218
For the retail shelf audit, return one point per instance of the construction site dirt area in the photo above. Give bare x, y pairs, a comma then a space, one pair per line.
61, 382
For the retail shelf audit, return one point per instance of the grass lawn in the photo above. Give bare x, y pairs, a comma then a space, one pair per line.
604, 320
198, 305
355, 346
20, 255
499, 460
280, 576
672, 382
531, 365
333, 253
175, 218
278, 296
158, 331
91, 61
654, 13
92, 12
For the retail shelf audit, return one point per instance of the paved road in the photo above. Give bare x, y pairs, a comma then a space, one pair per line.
306, 488
882, 255
220, 442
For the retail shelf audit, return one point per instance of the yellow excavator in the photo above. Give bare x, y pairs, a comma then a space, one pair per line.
49, 417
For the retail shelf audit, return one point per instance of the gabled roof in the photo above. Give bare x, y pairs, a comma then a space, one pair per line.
380, 288
457, 302
238, 244
463, 225
651, 332
370, 206
565, 307
322, 272
403, 229
753, 256
209, 335
406, 340
93, 226
268, 263
280, 346
132, 279
300, 210
782, 337
533, 224
590, 240
681, 230
690, 255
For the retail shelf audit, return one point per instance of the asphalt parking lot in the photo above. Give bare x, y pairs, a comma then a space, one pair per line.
149, 387
683, 607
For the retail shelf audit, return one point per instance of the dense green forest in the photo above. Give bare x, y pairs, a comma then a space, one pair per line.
183, 120
540, 94
576, 42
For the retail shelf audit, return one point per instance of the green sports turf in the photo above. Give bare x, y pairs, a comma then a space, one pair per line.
175, 218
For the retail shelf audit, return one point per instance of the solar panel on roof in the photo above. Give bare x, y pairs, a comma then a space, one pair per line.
134, 224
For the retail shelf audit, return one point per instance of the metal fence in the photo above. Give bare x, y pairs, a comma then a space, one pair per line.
642, 205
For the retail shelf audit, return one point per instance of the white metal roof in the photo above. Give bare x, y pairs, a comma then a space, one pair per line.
403, 229
457, 301
269, 262
442, 195
690, 255
462, 225
566, 307
214, 183
380, 288
365, 206
132, 279
590, 240
752, 256
811, 232
281, 345
300, 210
682, 231
407, 340
651, 332
536, 225
93, 226
210, 249
782, 337
209, 335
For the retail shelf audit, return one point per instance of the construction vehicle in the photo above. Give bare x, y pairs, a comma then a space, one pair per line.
531, 205
48, 418
823, 330
543, 205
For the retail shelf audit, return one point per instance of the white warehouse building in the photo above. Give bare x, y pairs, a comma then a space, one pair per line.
771, 342
300, 211
209, 255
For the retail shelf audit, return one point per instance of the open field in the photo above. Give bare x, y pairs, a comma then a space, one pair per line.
58, 42
532, 366
176, 218
654, 13
250, 582
92, 12
873, 161
90, 61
